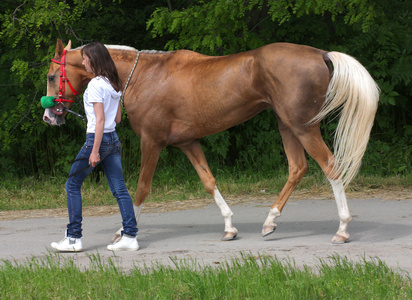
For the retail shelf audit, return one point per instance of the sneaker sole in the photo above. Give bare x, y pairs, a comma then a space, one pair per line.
68, 250
123, 249
55, 247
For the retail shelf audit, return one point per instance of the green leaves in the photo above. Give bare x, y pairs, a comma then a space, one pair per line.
388, 95
21, 69
222, 27
354, 11
207, 26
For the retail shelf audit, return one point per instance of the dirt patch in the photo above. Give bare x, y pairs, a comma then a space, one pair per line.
386, 193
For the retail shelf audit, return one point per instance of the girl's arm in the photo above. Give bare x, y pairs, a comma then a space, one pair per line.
98, 135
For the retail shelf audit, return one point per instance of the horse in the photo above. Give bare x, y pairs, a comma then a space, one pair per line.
177, 97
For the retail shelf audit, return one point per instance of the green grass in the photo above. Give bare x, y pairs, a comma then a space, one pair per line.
247, 277
45, 192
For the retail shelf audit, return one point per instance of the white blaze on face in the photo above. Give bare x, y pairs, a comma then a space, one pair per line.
48, 116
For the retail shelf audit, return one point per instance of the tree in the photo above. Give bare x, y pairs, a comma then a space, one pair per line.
223, 27
378, 33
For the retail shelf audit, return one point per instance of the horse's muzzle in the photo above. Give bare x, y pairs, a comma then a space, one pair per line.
51, 118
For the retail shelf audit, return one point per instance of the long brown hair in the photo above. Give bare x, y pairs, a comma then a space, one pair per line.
102, 63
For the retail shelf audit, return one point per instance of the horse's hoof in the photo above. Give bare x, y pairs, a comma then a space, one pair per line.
229, 236
339, 239
268, 230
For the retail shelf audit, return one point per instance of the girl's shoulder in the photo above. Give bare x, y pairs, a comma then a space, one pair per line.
100, 81
102, 86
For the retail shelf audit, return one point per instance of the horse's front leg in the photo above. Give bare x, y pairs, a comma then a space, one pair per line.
230, 232
194, 152
150, 157
137, 211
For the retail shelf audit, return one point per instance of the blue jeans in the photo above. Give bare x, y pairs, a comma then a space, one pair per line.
110, 149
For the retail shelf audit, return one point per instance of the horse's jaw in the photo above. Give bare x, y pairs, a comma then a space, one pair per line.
52, 119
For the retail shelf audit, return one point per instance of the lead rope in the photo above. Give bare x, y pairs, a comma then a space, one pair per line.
130, 76
75, 113
86, 167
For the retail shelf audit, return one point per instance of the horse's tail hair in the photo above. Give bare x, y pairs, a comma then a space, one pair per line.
355, 94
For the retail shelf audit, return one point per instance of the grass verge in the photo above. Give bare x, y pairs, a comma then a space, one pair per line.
42, 193
247, 277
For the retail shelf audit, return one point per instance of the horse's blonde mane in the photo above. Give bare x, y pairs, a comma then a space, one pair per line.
127, 48
120, 47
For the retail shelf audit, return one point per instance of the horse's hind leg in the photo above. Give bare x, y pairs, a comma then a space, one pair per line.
317, 148
194, 152
298, 167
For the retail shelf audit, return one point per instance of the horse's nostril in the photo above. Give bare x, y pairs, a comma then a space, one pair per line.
47, 120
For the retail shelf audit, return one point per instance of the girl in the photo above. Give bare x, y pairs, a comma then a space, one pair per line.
102, 106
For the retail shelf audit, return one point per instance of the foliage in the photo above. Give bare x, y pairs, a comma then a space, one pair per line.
378, 33
219, 27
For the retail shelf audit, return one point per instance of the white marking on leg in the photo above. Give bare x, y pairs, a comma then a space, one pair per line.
225, 210
118, 233
270, 220
137, 211
343, 208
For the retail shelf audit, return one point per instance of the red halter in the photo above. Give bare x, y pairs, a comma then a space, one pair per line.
63, 80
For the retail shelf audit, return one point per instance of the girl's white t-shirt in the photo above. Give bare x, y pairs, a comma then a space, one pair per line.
100, 90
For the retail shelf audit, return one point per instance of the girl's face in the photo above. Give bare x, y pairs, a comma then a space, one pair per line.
86, 63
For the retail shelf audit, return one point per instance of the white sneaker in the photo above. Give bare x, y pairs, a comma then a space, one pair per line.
68, 244
125, 243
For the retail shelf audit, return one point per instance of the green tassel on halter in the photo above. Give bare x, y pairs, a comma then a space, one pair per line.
47, 101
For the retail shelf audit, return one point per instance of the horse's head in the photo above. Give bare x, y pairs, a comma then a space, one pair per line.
66, 77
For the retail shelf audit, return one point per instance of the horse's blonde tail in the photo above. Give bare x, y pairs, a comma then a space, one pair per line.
352, 91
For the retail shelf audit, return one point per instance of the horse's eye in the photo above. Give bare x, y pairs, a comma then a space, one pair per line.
51, 78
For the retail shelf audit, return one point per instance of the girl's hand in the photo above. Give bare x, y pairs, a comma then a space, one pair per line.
94, 159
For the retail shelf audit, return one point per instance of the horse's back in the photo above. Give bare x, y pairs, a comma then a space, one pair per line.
198, 95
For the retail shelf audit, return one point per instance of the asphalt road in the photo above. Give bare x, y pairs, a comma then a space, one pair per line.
380, 228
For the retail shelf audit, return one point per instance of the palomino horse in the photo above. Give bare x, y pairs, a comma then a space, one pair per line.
175, 98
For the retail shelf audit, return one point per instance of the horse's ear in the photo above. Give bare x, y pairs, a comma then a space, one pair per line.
68, 46
59, 49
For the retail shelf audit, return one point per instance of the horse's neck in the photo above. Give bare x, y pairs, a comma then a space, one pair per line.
124, 61
136, 62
